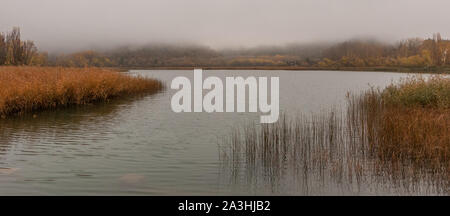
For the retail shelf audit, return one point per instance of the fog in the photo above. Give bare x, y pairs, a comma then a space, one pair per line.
72, 25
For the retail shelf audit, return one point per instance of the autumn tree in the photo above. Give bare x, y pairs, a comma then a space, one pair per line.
3, 49
29, 51
14, 51
14, 47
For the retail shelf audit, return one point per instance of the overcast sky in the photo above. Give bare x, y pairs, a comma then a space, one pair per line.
220, 23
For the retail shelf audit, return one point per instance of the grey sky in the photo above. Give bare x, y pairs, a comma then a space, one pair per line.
219, 23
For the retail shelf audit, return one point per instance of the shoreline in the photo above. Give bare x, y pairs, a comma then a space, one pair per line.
441, 70
32, 89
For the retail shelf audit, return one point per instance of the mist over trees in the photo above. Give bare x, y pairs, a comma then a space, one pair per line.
414, 52
14, 51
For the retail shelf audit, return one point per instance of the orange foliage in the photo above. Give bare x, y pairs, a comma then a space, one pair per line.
24, 89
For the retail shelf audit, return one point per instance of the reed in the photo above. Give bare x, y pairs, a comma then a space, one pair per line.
384, 139
27, 89
418, 91
409, 121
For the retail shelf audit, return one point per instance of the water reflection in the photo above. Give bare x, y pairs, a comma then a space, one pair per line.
66, 123
140, 147
319, 154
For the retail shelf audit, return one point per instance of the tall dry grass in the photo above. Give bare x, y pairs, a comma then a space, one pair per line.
409, 121
418, 91
25, 89
396, 138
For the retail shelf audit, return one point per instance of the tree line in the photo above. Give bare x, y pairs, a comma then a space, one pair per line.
413, 52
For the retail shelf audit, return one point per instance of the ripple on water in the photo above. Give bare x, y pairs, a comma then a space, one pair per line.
139, 146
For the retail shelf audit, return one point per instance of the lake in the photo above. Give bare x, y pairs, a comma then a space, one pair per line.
139, 146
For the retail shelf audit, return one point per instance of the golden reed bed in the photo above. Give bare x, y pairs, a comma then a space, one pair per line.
25, 89
399, 135
411, 121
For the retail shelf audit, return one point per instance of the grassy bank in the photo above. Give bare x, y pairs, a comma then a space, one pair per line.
410, 121
396, 137
26, 89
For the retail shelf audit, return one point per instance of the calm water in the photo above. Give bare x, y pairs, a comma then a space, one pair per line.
140, 147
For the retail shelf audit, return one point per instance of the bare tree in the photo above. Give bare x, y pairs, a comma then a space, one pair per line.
3, 49
14, 47
435, 51
29, 51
